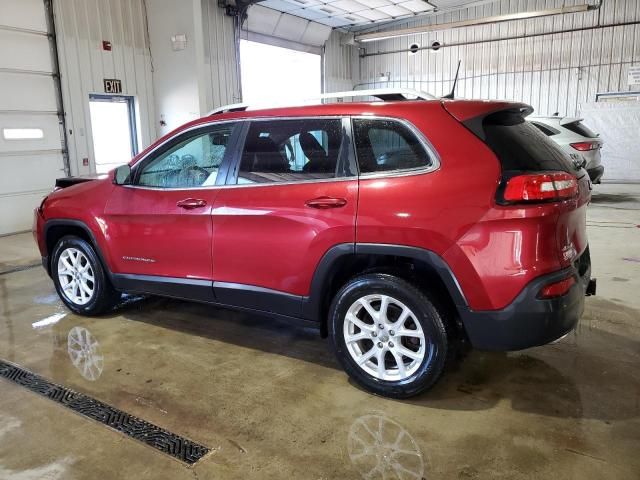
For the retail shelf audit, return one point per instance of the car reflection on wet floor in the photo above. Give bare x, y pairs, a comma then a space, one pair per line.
270, 401
382, 448
85, 354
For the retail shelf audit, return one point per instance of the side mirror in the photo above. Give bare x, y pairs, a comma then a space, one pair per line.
122, 175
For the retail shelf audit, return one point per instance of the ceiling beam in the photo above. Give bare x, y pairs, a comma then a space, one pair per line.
387, 34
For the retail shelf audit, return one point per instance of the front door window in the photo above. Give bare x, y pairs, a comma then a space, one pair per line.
194, 161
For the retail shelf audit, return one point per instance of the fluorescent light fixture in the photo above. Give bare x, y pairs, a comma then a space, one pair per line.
330, 10
395, 10
349, 6
387, 34
22, 133
303, 3
416, 6
375, 3
374, 15
354, 18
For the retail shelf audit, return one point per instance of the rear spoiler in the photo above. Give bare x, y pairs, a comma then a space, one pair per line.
471, 113
69, 181
463, 110
569, 120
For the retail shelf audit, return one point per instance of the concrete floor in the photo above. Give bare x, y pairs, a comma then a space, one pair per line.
271, 402
17, 252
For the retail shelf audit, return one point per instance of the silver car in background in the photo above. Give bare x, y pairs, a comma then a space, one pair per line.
576, 139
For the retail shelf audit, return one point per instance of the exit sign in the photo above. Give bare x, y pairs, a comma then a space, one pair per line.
111, 85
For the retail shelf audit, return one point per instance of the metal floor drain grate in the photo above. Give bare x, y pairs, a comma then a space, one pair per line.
179, 447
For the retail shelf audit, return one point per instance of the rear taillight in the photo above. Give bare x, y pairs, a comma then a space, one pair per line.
540, 187
585, 146
557, 289
41, 207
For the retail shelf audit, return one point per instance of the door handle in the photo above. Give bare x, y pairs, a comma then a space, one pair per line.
326, 202
190, 203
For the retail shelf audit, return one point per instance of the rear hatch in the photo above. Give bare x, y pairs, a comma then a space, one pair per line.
577, 127
583, 140
535, 170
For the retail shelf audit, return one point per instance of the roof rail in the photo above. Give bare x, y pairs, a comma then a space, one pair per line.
384, 94
234, 107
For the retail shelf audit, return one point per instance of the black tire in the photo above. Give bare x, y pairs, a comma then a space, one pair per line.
104, 297
425, 311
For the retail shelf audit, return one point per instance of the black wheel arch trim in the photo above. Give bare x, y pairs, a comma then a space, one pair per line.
313, 303
427, 256
526, 322
68, 222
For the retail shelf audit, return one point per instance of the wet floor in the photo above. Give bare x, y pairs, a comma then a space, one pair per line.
270, 401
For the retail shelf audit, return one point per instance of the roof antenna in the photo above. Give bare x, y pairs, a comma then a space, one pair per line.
451, 94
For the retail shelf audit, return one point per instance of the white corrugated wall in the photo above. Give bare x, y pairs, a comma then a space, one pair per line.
222, 85
81, 27
340, 63
552, 72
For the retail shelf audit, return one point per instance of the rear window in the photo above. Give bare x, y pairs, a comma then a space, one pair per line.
581, 129
291, 150
387, 145
546, 129
522, 147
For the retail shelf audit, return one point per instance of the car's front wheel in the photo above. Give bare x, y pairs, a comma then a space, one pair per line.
80, 279
389, 336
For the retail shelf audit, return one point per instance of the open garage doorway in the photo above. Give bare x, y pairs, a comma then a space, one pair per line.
276, 75
113, 127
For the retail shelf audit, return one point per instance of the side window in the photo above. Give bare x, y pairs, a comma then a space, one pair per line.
291, 150
386, 145
192, 162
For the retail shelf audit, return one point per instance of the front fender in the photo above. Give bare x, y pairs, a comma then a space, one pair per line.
96, 237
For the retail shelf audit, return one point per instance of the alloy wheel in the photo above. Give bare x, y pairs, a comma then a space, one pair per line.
76, 276
384, 337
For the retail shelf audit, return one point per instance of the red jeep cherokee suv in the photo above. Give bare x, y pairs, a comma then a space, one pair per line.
402, 229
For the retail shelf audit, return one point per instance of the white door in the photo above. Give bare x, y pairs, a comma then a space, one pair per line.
275, 75
113, 130
30, 134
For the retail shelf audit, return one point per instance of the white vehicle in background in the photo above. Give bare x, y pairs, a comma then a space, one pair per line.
576, 139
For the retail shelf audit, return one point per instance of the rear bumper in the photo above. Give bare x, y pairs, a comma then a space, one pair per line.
595, 173
529, 321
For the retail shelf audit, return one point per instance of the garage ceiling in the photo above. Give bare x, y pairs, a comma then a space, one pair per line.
344, 13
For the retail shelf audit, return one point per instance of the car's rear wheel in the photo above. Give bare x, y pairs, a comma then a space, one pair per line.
80, 279
389, 336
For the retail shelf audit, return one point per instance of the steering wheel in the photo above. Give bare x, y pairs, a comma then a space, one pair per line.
194, 175
385, 161
196, 168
